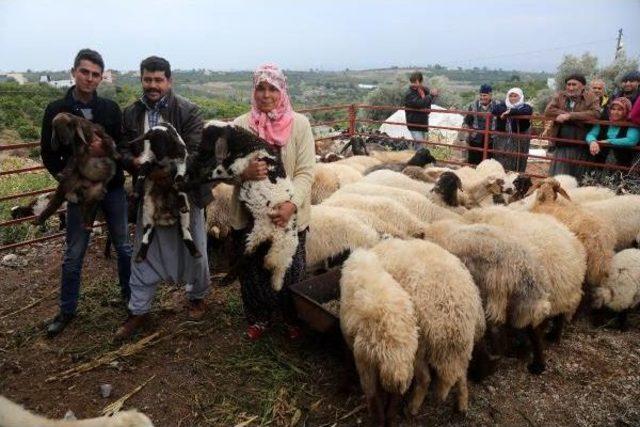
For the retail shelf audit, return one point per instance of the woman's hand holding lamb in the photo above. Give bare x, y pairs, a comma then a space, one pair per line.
256, 171
282, 213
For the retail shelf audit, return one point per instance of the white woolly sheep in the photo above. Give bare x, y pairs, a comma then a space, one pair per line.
623, 213
449, 312
490, 167
379, 324
360, 163
381, 225
393, 156
383, 207
333, 234
219, 211
596, 234
394, 179
506, 272
560, 253
621, 291
420, 206
329, 177
14, 415
566, 181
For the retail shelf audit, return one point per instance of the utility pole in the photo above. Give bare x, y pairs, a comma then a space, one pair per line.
619, 45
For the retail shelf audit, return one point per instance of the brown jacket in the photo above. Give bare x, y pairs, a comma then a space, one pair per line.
185, 116
586, 108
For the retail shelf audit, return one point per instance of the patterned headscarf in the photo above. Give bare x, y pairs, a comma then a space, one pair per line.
274, 126
624, 103
517, 104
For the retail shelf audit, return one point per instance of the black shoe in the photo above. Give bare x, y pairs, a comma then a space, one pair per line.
58, 324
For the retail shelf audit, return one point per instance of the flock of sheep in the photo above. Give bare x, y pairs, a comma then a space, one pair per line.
438, 263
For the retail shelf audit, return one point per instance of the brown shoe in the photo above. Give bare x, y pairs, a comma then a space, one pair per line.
130, 327
197, 309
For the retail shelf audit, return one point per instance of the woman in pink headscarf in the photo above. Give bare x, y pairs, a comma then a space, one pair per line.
272, 118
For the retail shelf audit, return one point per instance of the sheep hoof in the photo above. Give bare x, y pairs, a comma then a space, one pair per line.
536, 368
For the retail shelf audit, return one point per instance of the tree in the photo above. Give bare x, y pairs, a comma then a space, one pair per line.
612, 74
586, 64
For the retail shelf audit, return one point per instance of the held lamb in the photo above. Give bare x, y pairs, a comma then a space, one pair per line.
236, 147
159, 151
92, 165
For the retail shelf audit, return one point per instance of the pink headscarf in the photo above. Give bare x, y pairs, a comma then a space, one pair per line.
274, 126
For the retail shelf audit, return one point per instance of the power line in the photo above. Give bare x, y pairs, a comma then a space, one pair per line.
531, 52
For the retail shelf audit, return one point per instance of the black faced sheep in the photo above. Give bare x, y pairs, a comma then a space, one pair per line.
92, 165
235, 148
159, 151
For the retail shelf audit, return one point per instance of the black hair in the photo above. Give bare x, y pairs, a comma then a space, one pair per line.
156, 63
89, 55
416, 77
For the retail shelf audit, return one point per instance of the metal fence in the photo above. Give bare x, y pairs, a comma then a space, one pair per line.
355, 115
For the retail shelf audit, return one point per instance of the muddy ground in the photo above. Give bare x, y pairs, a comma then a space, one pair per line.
206, 373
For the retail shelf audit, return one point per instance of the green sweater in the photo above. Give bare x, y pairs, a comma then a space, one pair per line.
632, 138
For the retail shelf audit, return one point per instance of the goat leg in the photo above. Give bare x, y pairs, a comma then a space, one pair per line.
55, 201
185, 231
148, 211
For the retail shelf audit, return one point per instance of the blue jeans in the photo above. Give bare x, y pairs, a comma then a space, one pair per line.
114, 207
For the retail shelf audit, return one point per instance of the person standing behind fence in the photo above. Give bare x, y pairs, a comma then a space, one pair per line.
629, 87
418, 97
513, 105
623, 138
598, 88
168, 259
569, 110
475, 138
82, 100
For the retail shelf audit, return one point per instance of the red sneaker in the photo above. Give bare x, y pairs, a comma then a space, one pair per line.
294, 332
255, 331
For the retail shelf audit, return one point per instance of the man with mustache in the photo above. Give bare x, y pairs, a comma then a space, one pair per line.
167, 258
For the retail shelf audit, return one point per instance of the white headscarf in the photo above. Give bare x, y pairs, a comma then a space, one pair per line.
517, 104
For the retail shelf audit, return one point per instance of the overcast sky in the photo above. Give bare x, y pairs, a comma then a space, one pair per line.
322, 34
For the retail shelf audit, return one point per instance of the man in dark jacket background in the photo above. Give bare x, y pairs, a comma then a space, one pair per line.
477, 123
168, 258
418, 97
82, 100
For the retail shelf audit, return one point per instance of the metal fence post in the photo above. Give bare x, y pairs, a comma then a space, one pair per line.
352, 119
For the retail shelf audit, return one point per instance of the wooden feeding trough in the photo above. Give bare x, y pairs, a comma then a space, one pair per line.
311, 293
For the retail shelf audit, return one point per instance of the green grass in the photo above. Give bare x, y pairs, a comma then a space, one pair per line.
15, 184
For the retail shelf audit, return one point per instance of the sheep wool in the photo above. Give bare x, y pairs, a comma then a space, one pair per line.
560, 253
448, 309
394, 179
332, 233
14, 415
504, 269
623, 213
219, 211
621, 290
379, 324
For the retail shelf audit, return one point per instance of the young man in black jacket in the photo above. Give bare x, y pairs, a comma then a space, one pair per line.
82, 100
418, 97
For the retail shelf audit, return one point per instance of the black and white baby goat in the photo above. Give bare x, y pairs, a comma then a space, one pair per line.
234, 148
160, 151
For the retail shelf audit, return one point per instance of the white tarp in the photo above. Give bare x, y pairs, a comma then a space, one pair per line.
435, 119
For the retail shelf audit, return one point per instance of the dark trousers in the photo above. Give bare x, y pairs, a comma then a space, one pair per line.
259, 300
114, 207
477, 140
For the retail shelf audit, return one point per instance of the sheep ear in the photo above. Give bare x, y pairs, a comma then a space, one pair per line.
80, 132
533, 188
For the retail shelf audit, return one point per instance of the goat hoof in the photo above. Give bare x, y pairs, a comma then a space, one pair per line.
536, 368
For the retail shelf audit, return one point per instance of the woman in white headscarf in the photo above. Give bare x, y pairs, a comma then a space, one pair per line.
513, 148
